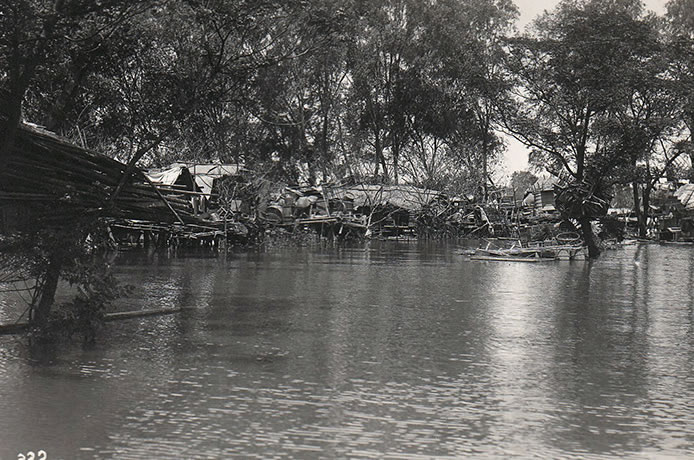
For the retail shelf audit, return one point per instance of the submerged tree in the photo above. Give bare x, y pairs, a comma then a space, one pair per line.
50, 48
568, 100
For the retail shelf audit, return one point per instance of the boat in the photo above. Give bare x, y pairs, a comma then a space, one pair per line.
613, 244
562, 247
512, 258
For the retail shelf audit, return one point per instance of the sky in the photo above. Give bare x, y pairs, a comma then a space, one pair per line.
516, 157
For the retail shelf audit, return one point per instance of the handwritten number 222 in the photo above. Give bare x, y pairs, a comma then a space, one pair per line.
40, 455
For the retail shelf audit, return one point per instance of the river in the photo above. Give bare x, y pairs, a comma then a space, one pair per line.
386, 350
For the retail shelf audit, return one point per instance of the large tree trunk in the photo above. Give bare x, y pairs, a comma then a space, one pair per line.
50, 285
588, 238
10, 117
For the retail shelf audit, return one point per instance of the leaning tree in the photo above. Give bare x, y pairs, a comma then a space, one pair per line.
574, 70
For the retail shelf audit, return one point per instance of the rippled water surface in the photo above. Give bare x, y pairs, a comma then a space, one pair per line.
393, 350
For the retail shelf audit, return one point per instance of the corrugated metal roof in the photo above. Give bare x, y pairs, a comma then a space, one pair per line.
403, 196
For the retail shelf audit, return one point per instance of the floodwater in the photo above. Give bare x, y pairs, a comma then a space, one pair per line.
390, 350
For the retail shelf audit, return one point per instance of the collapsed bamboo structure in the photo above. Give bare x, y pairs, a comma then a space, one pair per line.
68, 182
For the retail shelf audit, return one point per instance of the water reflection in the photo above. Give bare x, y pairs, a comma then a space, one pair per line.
393, 350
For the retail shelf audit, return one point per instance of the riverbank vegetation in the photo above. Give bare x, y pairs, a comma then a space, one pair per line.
387, 91
378, 92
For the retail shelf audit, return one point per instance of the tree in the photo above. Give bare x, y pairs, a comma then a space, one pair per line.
680, 36
299, 101
492, 20
48, 39
457, 86
566, 98
378, 63
39, 36
641, 128
136, 75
